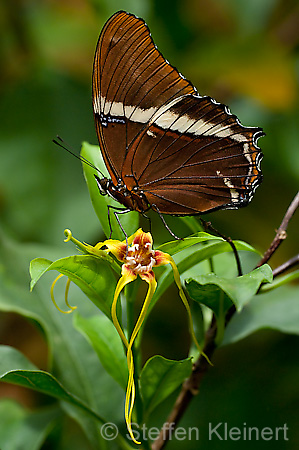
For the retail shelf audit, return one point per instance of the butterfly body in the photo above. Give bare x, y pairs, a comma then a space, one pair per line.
165, 146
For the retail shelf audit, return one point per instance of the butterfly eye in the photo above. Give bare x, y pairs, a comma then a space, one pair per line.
103, 185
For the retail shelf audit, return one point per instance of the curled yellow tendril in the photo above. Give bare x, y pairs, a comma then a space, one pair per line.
65, 295
68, 235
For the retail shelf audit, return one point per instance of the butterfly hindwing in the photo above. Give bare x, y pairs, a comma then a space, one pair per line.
195, 157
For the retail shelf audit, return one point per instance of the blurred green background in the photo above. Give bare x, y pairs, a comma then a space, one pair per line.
244, 53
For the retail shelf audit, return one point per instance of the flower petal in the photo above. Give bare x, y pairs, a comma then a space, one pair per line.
85, 248
125, 279
147, 276
143, 239
161, 258
130, 393
117, 248
177, 280
131, 238
127, 272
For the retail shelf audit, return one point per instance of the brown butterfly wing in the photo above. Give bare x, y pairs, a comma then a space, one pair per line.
131, 81
195, 157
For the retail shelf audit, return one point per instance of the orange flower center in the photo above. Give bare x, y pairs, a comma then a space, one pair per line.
140, 258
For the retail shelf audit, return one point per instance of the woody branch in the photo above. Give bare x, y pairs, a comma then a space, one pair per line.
190, 387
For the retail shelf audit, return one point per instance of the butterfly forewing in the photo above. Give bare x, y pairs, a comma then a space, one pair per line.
131, 81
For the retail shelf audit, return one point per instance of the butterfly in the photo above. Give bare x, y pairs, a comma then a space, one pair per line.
166, 147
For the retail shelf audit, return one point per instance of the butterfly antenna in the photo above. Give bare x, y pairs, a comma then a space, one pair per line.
61, 143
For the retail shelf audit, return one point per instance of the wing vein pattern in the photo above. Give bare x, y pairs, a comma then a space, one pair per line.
184, 153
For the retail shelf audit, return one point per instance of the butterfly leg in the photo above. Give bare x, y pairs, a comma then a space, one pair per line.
155, 208
149, 219
209, 226
116, 212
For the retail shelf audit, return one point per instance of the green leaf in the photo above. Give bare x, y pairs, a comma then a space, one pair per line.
159, 378
76, 363
104, 338
176, 246
209, 289
92, 275
130, 220
277, 310
192, 223
11, 359
16, 369
204, 290
280, 281
37, 268
22, 429
193, 257
94, 434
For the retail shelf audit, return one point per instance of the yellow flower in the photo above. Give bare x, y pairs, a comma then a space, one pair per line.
139, 259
